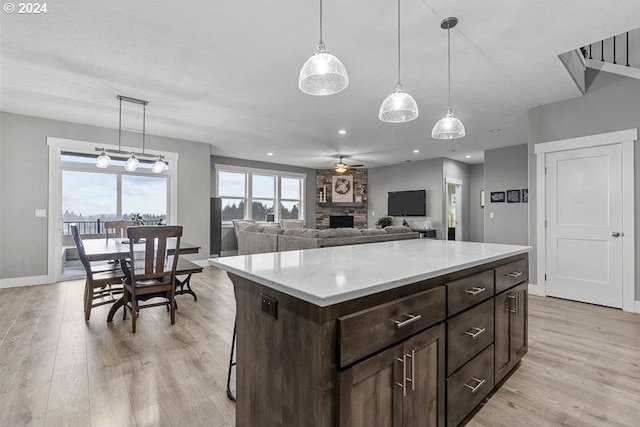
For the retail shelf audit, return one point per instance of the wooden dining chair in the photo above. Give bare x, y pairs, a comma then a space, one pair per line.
151, 273
102, 282
119, 227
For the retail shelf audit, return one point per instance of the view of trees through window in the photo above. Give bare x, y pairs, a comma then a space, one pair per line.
239, 189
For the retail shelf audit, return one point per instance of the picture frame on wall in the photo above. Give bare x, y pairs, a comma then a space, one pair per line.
525, 195
497, 197
513, 196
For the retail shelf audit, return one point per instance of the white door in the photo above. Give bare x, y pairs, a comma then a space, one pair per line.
458, 208
584, 224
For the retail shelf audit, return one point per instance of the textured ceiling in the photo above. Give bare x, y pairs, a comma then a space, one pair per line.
226, 73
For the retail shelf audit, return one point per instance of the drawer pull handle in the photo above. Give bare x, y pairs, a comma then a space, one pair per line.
411, 319
515, 274
474, 332
477, 386
475, 290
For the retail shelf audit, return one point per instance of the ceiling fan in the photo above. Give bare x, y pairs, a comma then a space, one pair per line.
342, 167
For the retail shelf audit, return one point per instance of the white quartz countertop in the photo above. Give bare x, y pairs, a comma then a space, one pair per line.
327, 276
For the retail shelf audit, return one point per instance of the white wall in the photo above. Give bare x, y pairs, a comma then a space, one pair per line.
24, 186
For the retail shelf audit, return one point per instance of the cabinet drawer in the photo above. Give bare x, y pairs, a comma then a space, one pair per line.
511, 274
464, 293
365, 332
468, 333
467, 387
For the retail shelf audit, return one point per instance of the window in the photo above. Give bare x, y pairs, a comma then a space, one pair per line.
254, 194
232, 189
90, 196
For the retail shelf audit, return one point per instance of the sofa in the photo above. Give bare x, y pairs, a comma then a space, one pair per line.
259, 239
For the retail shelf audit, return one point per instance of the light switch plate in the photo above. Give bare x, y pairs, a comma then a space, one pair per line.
491, 215
41, 213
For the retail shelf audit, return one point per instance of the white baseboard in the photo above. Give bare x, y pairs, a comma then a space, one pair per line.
16, 282
537, 290
637, 306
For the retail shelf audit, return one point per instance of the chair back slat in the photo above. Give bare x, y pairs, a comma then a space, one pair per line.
119, 227
81, 252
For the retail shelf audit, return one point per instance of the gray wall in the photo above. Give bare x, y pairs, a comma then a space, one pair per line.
476, 220
24, 187
426, 174
506, 169
228, 237
611, 103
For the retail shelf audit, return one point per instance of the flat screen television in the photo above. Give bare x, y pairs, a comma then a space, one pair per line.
407, 203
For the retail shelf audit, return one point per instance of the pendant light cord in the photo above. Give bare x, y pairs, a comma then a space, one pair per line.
399, 83
144, 124
449, 62
120, 124
320, 21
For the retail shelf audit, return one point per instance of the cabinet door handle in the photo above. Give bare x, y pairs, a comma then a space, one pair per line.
515, 274
413, 369
474, 332
513, 296
477, 386
475, 290
403, 386
411, 319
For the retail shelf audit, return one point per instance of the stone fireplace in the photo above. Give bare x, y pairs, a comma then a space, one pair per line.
327, 207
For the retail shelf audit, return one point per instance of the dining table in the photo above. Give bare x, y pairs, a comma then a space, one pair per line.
119, 249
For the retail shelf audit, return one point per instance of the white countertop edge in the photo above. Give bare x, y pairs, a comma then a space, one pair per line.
358, 293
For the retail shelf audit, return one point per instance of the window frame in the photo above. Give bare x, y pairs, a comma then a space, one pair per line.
249, 172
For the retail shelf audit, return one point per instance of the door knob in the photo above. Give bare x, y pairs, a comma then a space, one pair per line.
615, 234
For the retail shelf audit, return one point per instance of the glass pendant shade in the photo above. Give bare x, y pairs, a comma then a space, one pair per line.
132, 163
159, 166
399, 107
103, 161
448, 127
341, 168
323, 74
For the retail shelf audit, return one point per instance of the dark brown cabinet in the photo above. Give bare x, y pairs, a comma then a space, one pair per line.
401, 386
511, 340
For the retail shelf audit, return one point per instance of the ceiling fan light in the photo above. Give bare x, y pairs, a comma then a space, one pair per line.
159, 166
323, 74
399, 107
448, 127
132, 163
103, 161
341, 168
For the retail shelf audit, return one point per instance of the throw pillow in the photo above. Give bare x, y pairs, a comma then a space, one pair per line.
394, 229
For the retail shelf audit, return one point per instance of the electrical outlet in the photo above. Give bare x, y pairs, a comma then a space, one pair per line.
269, 305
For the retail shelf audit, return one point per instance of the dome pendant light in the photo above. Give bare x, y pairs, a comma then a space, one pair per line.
449, 127
323, 73
399, 107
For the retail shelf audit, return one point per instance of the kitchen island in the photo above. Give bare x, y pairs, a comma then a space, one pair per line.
413, 332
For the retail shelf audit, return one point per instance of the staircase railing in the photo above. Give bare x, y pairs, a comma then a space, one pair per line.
614, 50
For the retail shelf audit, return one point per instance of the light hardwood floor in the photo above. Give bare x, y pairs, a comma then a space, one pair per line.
583, 366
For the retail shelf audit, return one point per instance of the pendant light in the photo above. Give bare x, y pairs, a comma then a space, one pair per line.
449, 127
323, 73
103, 161
399, 107
159, 166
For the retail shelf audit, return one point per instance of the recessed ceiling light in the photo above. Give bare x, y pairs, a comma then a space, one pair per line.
416, 151
495, 130
467, 156
342, 132
269, 154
